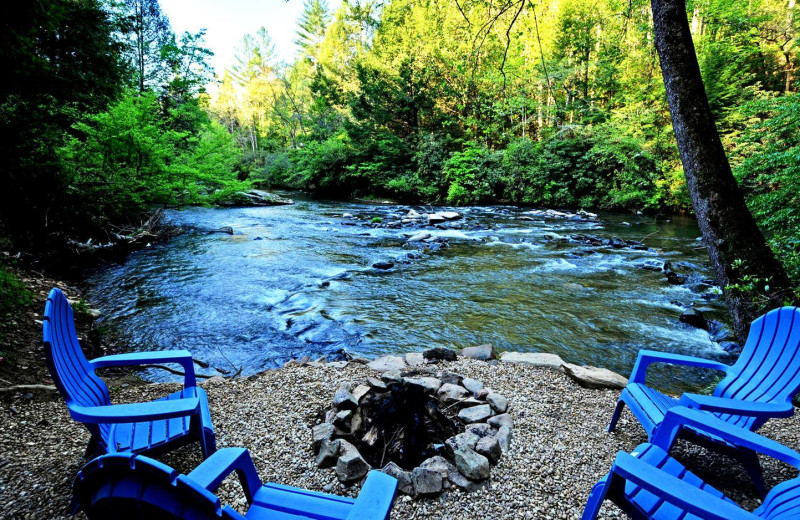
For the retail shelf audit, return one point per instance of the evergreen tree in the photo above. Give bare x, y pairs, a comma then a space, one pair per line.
311, 27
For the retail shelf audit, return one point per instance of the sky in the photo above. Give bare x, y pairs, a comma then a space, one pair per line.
226, 21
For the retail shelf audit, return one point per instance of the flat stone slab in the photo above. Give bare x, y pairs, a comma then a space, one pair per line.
388, 363
428, 384
537, 359
594, 377
481, 352
475, 413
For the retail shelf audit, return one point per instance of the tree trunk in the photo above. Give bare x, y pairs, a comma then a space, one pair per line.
752, 278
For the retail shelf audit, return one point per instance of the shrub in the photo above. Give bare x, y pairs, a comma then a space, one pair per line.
475, 175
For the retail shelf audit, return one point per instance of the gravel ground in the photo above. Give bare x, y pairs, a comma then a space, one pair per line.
559, 449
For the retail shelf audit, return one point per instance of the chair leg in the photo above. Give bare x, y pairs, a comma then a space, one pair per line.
749, 460
596, 498
208, 442
616, 415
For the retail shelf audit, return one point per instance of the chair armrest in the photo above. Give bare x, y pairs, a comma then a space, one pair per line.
736, 406
674, 491
136, 412
679, 417
648, 357
181, 357
375, 499
212, 471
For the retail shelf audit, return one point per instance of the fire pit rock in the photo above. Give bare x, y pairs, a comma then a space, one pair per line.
432, 431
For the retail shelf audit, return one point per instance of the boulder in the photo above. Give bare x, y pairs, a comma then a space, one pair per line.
435, 218
450, 215
383, 265
450, 392
463, 440
415, 359
471, 464
427, 384
392, 376
489, 447
350, 466
498, 402
481, 352
412, 214
320, 433
343, 419
694, 318
503, 436
343, 399
419, 237
498, 421
674, 278
376, 384
473, 385
439, 464
475, 413
440, 354
718, 332
450, 377
328, 454
652, 265
255, 198
538, 359
594, 377
426, 481
404, 484
225, 230
731, 347
388, 363
480, 429
360, 391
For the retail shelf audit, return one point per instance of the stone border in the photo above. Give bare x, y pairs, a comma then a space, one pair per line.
483, 413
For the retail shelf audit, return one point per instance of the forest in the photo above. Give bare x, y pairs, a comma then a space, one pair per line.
107, 113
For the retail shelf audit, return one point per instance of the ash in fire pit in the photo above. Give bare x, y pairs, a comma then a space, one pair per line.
428, 432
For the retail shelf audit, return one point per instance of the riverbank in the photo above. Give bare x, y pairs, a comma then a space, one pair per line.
559, 447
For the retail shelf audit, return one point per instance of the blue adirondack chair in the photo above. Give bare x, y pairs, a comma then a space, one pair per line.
648, 483
128, 486
139, 427
759, 386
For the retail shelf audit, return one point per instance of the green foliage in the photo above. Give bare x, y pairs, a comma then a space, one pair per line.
13, 293
475, 175
767, 166
129, 158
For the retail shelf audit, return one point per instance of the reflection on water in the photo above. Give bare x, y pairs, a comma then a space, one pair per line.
297, 280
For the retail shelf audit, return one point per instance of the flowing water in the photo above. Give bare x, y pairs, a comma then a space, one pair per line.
298, 280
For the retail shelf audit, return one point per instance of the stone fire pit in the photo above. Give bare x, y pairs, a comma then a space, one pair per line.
430, 430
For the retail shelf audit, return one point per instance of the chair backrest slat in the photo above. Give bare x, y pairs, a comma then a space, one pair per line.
70, 369
768, 369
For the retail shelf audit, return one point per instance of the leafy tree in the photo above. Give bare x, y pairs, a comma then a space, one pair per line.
60, 60
148, 33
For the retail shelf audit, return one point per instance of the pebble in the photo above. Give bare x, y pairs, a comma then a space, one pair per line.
560, 447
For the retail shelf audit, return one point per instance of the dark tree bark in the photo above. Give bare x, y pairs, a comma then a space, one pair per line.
739, 253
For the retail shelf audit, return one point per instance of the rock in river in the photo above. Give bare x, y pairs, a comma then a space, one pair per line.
694, 318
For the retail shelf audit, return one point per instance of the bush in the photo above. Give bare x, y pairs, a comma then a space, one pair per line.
475, 175
767, 166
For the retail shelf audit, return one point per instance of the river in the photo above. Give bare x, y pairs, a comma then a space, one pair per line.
298, 280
